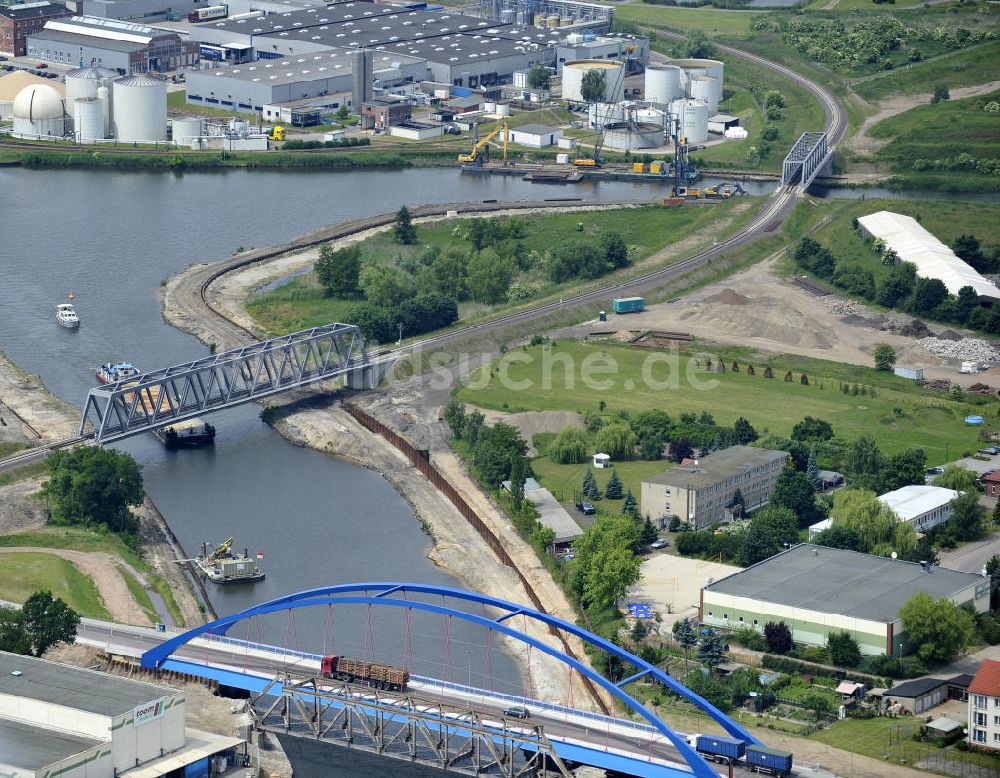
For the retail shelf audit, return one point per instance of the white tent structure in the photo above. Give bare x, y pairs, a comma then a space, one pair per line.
912, 243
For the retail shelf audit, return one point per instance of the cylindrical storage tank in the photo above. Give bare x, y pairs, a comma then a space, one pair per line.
539, 20
84, 82
614, 79
503, 109
694, 121
39, 110
700, 67
140, 108
104, 95
663, 84
651, 116
629, 136
88, 119
599, 114
185, 130
705, 88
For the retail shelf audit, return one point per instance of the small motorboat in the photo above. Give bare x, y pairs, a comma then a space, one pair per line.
110, 373
66, 315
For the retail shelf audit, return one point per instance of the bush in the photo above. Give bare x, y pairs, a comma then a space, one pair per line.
778, 636
749, 637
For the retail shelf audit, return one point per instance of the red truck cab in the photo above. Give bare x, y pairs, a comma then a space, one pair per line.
328, 666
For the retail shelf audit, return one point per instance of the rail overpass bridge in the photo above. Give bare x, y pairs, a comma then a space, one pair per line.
433, 722
242, 375
808, 158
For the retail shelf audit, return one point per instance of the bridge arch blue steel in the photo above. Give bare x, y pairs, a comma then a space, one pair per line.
360, 594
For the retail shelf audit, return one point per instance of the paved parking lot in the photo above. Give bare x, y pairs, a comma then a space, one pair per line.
671, 585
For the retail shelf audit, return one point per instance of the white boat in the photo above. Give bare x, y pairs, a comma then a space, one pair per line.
66, 315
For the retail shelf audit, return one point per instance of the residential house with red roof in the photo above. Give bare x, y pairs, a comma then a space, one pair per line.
984, 706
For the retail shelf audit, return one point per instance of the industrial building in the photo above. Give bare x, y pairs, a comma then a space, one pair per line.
551, 514
17, 22
574, 14
577, 46
140, 11
920, 505
912, 243
817, 590
702, 492
56, 719
535, 135
916, 696
127, 48
984, 706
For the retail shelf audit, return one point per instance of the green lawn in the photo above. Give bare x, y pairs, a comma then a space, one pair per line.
967, 67
771, 405
564, 481
876, 738
140, 595
301, 303
713, 21
29, 572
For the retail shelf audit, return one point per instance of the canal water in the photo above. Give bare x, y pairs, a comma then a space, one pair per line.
111, 239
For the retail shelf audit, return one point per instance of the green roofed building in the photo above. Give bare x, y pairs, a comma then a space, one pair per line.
817, 590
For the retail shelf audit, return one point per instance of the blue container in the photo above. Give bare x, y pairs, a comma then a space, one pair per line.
719, 745
769, 760
628, 304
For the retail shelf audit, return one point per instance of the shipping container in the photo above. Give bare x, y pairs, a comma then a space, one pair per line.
720, 748
916, 373
770, 761
628, 304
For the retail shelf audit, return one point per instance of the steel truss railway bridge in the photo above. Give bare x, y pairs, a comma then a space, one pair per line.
809, 157
242, 375
459, 728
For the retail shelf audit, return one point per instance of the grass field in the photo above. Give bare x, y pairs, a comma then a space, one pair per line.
301, 302
27, 573
967, 67
900, 415
713, 21
140, 595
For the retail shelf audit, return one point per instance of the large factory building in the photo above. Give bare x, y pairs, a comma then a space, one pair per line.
17, 22
128, 48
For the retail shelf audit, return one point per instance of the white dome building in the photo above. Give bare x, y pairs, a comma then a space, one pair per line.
39, 110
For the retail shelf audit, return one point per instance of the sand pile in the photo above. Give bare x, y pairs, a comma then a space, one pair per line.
729, 297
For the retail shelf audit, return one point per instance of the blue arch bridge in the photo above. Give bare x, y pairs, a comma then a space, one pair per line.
433, 722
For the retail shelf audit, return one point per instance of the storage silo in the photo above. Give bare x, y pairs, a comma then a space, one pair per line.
184, 131
84, 82
694, 121
140, 108
88, 119
628, 136
503, 109
705, 88
651, 116
39, 111
663, 84
700, 67
574, 71
599, 114
104, 95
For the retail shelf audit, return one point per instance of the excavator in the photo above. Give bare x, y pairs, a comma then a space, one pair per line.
481, 149
277, 133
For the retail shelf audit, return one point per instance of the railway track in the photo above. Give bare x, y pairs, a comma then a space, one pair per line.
30, 455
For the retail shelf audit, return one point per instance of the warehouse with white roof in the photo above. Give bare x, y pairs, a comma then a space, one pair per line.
912, 243
922, 506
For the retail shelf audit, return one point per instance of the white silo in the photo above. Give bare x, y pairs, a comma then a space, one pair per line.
651, 116
694, 121
185, 131
39, 110
614, 79
599, 114
88, 119
140, 108
663, 84
84, 82
705, 88
700, 67
104, 95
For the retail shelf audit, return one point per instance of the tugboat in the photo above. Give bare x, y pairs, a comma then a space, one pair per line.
220, 565
109, 373
186, 434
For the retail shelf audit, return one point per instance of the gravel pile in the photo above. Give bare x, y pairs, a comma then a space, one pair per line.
967, 349
848, 307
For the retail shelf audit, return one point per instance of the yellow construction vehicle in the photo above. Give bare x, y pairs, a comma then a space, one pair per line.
478, 146
223, 548
277, 133
711, 191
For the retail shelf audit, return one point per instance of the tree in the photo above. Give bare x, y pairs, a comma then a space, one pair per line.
593, 86
844, 649
968, 249
698, 46
385, 286
743, 433
570, 447
630, 508
680, 450
403, 230
880, 531
454, 417
606, 565
959, 478
897, 285
614, 248
966, 303
617, 440
793, 491
863, 463
940, 93
474, 423
993, 571
649, 533
520, 470
904, 468
812, 469
778, 637
770, 529
449, 272
613, 491
490, 276
685, 632
590, 490
967, 516
343, 114
838, 536
711, 649
928, 294
539, 77
812, 429
885, 357
93, 486
13, 636
338, 271
939, 628
48, 620
495, 450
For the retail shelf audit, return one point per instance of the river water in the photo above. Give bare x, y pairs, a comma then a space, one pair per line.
111, 238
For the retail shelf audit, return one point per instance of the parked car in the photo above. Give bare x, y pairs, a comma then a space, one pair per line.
988, 451
659, 543
569, 556
937, 470
41, 65
586, 508
517, 712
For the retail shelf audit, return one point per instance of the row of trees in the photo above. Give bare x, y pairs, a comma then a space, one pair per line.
42, 622
412, 316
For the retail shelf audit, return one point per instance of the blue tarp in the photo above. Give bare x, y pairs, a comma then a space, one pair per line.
461, 91
639, 610
973, 419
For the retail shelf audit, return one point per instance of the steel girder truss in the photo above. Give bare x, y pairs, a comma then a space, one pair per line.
161, 397
808, 156
400, 726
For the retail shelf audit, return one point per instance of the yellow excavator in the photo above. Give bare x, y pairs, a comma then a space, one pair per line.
277, 133
482, 146
223, 548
